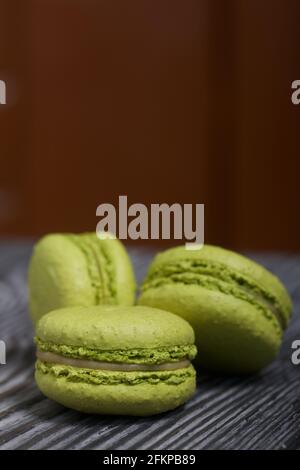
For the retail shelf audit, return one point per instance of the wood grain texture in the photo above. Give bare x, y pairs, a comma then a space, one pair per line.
257, 412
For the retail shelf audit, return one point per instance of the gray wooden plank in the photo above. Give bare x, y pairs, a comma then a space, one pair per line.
261, 411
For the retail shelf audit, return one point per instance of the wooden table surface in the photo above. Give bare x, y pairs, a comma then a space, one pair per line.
256, 412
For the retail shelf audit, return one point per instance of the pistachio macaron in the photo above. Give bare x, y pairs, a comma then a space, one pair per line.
115, 359
238, 309
79, 270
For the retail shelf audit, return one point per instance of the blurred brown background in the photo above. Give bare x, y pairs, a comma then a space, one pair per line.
171, 101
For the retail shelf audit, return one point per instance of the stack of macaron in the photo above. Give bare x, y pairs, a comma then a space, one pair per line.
97, 352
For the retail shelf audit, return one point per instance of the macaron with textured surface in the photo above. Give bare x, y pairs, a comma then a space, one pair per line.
237, 308
79, 270
115, 359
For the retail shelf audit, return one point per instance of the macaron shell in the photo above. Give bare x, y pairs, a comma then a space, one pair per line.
231, 335
134, 400
115, 327
58, 276
220, 258
60, 273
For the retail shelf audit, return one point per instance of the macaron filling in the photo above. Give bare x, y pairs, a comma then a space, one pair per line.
97, 365
108, 377
148, 356
214, 276
79, 362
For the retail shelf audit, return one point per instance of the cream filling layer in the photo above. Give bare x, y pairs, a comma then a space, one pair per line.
114, 366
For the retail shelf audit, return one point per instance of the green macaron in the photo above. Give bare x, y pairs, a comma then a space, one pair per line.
115, 359
238, 309
79, 270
